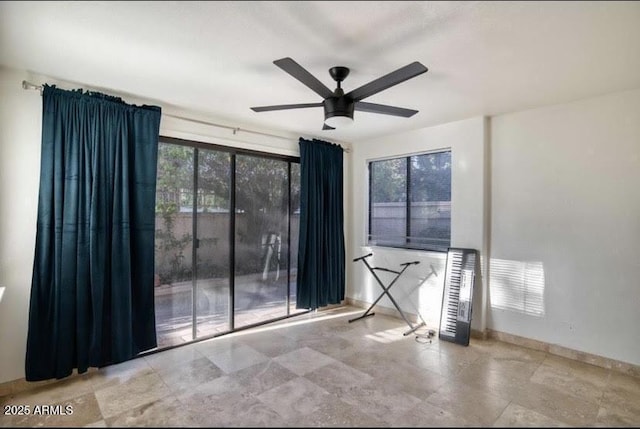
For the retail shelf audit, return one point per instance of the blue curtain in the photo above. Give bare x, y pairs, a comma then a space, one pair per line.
320, 277
92, 300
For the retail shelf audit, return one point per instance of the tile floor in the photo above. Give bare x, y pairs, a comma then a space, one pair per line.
319, 370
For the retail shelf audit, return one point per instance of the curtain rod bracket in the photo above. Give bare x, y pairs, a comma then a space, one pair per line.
29, 85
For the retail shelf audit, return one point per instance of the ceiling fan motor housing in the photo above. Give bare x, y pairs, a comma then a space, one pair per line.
338, 106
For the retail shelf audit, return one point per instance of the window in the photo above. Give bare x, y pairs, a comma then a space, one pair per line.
226, 239
410, 202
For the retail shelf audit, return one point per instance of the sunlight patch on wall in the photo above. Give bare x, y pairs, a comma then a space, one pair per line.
517, 286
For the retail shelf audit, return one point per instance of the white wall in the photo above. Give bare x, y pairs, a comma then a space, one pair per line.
419, 291
20, 134
20, 126
566, 193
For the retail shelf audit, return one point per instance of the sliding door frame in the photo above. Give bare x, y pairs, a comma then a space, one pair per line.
233, 152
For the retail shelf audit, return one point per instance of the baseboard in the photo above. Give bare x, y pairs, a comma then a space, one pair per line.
554, 349
479, 335
20, 385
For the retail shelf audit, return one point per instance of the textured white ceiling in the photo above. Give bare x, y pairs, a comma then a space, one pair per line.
484, 58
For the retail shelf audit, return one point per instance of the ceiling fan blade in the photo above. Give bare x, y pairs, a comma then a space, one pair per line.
387, 81
285, 107
384, 109
327, 127
297, 71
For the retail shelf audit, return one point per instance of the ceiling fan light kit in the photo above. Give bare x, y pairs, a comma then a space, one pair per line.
338, 106
338, 111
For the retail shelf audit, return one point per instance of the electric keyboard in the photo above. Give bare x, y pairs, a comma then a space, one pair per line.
455, 320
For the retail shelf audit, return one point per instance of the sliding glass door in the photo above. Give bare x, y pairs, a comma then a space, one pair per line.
226, 239
173, 241
262, 226
294, 230
213, 186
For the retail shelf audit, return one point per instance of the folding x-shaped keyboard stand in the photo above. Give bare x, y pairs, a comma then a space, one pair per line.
385, 291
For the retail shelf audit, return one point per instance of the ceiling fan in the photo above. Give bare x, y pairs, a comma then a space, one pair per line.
338, 106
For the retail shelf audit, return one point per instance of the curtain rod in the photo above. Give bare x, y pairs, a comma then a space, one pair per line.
29, 85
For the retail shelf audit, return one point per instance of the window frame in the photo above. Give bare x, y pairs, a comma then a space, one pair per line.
407, 238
